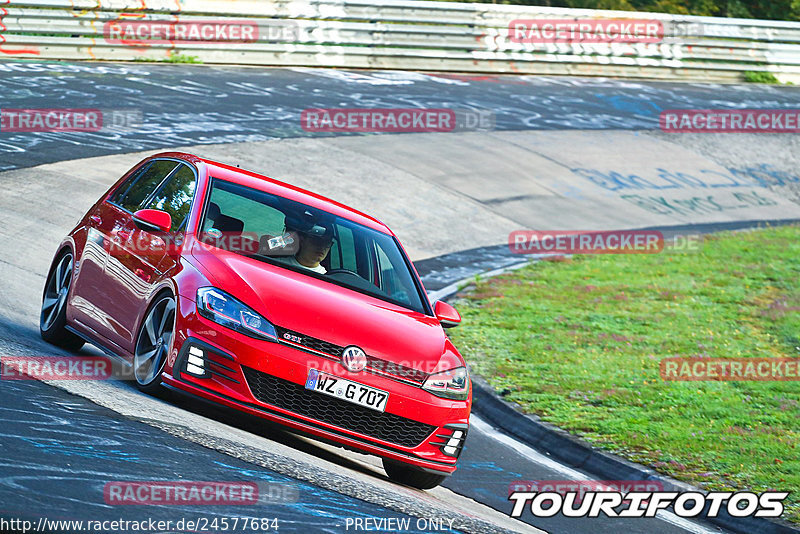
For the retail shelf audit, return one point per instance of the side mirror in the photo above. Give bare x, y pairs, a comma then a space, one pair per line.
446, 314
153, 220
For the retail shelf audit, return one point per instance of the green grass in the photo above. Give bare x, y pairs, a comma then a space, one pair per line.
182, 58
578, 342
174, 58
760, 77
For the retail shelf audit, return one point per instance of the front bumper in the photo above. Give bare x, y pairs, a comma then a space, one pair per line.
267, 379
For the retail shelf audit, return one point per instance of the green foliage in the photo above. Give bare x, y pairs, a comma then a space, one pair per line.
759, 9
621, 5
174, 58
760, 77
182, 58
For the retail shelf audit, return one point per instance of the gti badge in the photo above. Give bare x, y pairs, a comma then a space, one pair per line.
354, 359
291, 337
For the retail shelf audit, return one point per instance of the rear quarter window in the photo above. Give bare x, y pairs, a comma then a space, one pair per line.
175, 196
136, 189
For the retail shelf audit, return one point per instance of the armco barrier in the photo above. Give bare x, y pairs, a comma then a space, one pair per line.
397, 34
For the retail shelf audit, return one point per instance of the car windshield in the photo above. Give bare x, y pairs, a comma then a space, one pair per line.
308, 240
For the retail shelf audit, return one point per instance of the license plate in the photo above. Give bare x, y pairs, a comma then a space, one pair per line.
371, 398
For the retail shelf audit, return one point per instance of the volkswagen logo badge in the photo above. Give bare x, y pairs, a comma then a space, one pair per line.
354, 359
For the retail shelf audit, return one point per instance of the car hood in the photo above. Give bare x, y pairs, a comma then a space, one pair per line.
327, 311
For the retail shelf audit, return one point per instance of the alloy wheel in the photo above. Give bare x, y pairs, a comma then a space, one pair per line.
55, 295
154, 341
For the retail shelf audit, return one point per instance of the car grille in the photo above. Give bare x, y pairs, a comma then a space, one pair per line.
373, 363
312, 342
296, 398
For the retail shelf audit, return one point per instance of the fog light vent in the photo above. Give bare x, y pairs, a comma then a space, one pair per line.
453, 442
196, 363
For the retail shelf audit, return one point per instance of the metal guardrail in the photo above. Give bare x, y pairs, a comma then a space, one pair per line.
399, 34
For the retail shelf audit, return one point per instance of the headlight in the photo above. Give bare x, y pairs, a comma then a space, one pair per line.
452, 384
218, 306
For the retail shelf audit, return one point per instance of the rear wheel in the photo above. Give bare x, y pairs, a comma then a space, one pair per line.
153, 343
53, 317
411, 476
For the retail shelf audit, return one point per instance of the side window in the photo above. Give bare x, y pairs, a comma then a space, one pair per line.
175, 196
123, 189
138, 187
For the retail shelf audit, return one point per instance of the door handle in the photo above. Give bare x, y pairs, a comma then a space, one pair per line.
96, 219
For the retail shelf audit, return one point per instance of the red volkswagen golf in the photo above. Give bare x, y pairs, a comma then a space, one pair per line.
266, 298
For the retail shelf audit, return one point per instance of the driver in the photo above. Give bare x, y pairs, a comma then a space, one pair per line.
313, 248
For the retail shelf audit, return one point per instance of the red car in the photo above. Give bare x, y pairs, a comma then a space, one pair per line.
263, 297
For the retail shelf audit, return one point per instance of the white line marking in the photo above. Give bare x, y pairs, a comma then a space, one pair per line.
446, 291
482, 426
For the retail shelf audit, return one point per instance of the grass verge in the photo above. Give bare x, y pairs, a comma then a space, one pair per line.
578, 341
173, 58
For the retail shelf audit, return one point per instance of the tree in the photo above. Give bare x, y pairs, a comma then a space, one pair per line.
761, 9
620, 5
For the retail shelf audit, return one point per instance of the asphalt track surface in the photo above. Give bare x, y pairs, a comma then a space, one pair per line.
184, 105
60, 449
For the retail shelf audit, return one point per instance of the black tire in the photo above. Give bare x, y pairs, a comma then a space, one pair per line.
411, 476
153, 343
53, 316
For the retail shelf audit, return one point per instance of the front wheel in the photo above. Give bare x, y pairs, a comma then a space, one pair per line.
153, 344
410, 475
53, 317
